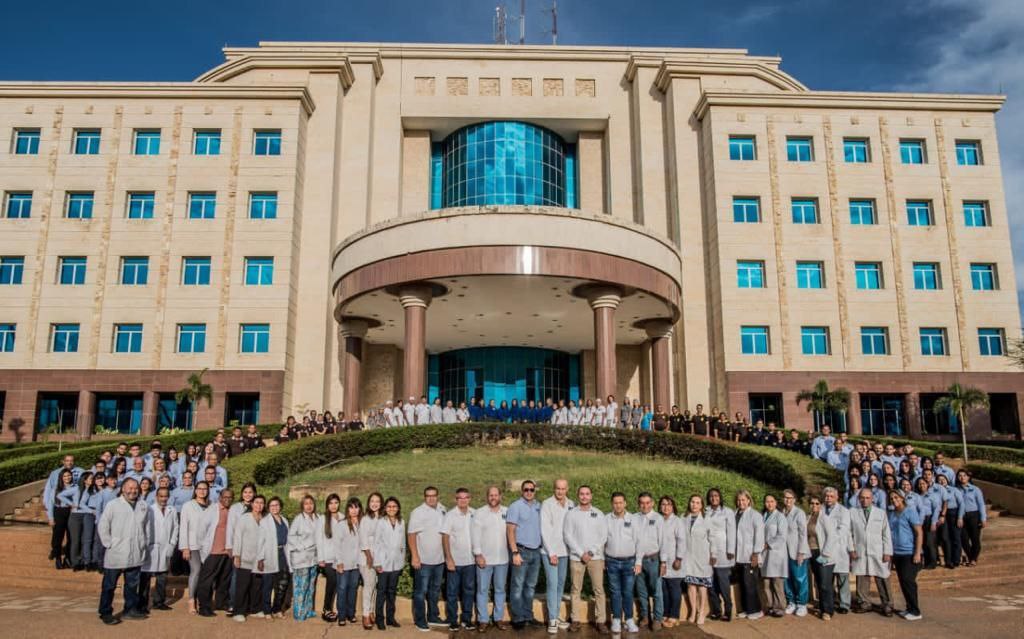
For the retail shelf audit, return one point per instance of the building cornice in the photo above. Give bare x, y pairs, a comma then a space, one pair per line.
251, 59
852, 100
142, 91
753, 67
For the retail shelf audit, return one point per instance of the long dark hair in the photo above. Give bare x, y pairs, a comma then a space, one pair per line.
353, 501
380, 511
384, 508
327, 512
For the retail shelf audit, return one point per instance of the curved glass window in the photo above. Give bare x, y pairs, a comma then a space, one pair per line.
504, 373
503, 163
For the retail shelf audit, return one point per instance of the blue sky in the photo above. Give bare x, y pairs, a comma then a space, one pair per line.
927, 45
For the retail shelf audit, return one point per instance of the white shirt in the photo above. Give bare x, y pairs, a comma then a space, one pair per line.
188, 526
599, 415
389, 545
410, 414
162, 537
425, 522
574, 415
461, 415
489, 535
552, 526
422, 414
610, 412
585, 531
436, 414
622, 538
448, 415
458, 526
650, 528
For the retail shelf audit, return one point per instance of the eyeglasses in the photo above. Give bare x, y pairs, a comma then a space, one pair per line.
529, 490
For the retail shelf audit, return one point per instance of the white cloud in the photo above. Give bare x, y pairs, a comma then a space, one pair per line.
981, 52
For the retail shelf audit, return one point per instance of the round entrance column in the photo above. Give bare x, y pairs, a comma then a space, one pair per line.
353, 331
660, 332
415, 300
604, 300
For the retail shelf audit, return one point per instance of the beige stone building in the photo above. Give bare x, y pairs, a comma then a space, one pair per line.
333, 225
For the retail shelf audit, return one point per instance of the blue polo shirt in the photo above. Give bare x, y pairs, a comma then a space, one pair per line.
526, 517
901, 525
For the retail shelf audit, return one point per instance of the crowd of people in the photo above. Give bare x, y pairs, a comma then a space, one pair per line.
659, 565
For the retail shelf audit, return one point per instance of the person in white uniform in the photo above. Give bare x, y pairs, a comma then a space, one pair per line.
490, 552
871, 552
163, 538
436, 412
389, 540
586, 531
122, 530
611, 413
456, 540
424, 532
774, 557
721, 520
448, 414
555, 557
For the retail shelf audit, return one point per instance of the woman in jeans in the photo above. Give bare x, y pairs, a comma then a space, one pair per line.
749, 542
82, 523
277, 585
824, 543
672, 581
388, 561
325, 554
346, 561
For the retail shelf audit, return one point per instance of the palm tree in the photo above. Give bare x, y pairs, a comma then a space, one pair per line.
961, 400
195, 391
822, 400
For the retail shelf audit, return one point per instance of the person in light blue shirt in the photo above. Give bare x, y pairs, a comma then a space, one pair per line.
53, 481
183, 493
940, 467
59, 514
937, 496
949, 534
837, 458
891, 456
974, 517
645, 421
524, 538
823, 444
906, 530
82, 524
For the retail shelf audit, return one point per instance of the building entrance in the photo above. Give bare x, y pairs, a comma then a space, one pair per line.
504, 373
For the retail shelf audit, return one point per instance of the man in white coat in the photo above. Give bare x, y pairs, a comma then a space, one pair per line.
409, 411
162, 537
872, 551
122, 531
840, 516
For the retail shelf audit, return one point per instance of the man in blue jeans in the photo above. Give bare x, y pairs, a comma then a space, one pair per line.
654, 550
523, 529
456, 538
123, 529
424, 539
556, 555
623, 562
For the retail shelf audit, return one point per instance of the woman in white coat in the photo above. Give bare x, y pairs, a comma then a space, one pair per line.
367, 529
302, 536
339, 546
749, 543
798, 585
872, 552
722, 522
774, 557
672, 580
190, 541
695, 540
276, 573
248, 549
823, 540
325, 552
163, 539
388, 561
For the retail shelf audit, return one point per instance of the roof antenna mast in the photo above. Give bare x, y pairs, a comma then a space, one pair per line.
522, 21
554, 21
500, 21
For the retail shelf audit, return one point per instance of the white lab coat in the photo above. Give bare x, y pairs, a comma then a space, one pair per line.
840, 518
162, 537
671, 531
722, 523
188, 525
871, 541
749, 535
123, 532
268, 528
388, 545
828, 541
775, 558
248, 543
796, 534
302, 541
694, 537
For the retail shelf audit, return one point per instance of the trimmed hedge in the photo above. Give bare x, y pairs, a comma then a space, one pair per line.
1003, 474
273, 464
34, 465
981, 452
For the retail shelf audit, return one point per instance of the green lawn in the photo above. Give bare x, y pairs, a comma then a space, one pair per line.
405, 474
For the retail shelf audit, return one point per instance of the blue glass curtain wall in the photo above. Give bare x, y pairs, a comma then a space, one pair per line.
503, 373
122, 413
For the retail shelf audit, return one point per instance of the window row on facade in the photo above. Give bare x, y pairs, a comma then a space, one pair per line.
856, 150
134, 270
862, 211
128, 338
874, 340
810, 274
89, 141
141, 205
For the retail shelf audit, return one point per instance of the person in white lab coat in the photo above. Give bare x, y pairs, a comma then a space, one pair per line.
189, 541
367, 529
774, 557
163, 538
277, 584
388, 557
797, 585
672, 581
247, 551
122, 531
824, 545
302, 558
695, 541
872, 552
722, 522
749, 543
840, 516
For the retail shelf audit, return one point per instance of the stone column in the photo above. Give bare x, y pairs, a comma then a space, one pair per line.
150, 410
660, 332
604, 301
415, 300
853, 425
85, 418
353, 332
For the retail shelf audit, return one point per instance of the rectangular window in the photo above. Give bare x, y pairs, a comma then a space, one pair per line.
805, 211
810, 275
26, 141
874, 340
11, 270
754, 340
869, 275
259, 271
202, 206
72, 270
147, 142
750, 274
919, 213
86, 142
18, 205
206, 142
984, 277
912, 152
127, 338
862, 212
64, 338
746, 210
262, 206
7, 334
267, 142
255, 338
926, 276
968, 152
134, 271
79, 206
742, 147
856, 151
141, 206
195, 271
191, 338
991, 341
976, 214
814, 340
799, 149
933, 341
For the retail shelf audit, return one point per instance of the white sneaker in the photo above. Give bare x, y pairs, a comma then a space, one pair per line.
616, 626
755, 616
562, 624
631, 626
741, 615
790, 609
553, 627
801, 611
912, 617
259, 615
239, 618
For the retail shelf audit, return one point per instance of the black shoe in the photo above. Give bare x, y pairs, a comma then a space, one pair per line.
533, 623
135, 615
329, 617
77, 568
342, 622
518, 625
714, 616
454, 627
843, 611
162, 606
727, 618
207, 613
57, 564
393, 624
51, 556
381, 625
110, 620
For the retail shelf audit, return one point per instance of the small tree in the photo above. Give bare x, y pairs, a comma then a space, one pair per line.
961, 400
822, 400
196, 390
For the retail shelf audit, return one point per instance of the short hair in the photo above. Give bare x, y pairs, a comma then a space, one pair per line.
830, 490
527, 481
582, 486
428, 489
163, 489
618, 494
789, 492
645, 494
459, 491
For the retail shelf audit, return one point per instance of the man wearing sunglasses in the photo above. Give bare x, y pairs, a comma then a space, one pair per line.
524, 538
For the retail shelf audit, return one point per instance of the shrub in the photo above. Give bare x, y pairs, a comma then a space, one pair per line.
980, 452
1003, 474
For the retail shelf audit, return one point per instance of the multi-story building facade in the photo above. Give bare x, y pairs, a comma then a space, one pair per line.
330, 226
